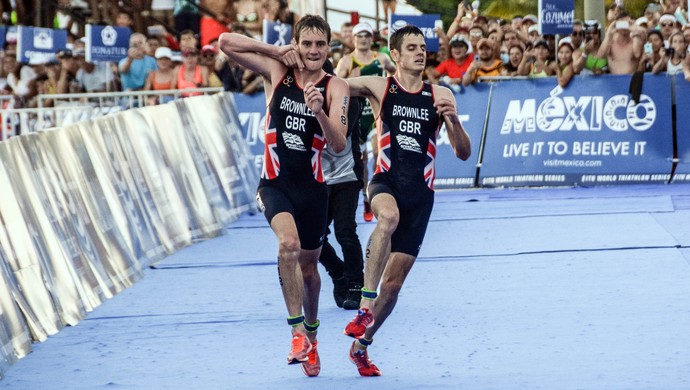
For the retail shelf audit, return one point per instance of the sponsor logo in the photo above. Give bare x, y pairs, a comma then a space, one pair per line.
583, 113
260, 203
288, 80
294, 142
43, 38
426, 93
408, 143
109, 35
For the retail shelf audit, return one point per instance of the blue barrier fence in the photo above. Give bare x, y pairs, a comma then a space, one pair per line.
529, 133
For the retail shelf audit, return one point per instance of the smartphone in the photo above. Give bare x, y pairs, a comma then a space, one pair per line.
155, 31
670, 51
648, 48
622, 25
438, 24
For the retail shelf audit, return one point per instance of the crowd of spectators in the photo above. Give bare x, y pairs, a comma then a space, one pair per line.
178, 48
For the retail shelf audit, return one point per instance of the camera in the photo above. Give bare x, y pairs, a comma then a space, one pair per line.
670, 51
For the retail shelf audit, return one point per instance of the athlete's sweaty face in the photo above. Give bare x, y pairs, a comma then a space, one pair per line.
313, 49
412, 54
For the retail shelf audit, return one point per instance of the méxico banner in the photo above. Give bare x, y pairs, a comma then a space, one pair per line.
590, 133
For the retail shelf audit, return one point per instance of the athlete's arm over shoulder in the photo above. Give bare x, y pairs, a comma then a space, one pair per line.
446, 108
334, 122
262, 58
370, 87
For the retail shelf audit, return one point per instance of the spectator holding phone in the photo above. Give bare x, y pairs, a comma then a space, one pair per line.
486, 65
537, 63
652, 51
622, 46
136, 66
671, 60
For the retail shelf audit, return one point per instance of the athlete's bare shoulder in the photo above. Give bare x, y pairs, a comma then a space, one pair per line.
441, 92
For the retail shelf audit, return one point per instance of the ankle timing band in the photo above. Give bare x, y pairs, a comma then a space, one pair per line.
311, 328
367, 294
294, 321
365, 342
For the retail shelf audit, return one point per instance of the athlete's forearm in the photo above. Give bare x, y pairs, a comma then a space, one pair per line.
334, 129
458, 137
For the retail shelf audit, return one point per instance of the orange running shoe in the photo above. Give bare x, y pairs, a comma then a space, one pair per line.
360, 358
312, 367
363, 319
368, 214
300, 349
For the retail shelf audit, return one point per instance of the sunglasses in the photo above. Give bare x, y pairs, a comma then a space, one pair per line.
363, 35
578, 33
666, 24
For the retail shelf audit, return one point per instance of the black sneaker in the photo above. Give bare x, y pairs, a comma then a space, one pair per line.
354, 295
340, 291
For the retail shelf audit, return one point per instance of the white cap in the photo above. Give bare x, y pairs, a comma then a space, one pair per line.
667, 18
533, 27
164, 52
641, 21
362, 27
566, 41
530, 18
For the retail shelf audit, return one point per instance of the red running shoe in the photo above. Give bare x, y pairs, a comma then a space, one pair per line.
300, 349
359, 324
312, 367
360, 358
368, 214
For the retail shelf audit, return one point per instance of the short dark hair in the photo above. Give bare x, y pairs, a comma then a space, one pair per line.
312, 22
396, 39
655, 32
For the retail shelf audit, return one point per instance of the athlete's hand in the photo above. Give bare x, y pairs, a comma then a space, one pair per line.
313, 98
290, 57
445, 107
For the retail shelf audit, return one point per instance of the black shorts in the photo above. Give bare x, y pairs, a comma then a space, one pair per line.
307, 202
414, 206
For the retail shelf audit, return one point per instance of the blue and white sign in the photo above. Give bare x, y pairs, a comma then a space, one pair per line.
426, 23
106, 43
252, 114
37, 45
276, 33
592, 133
556, 16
